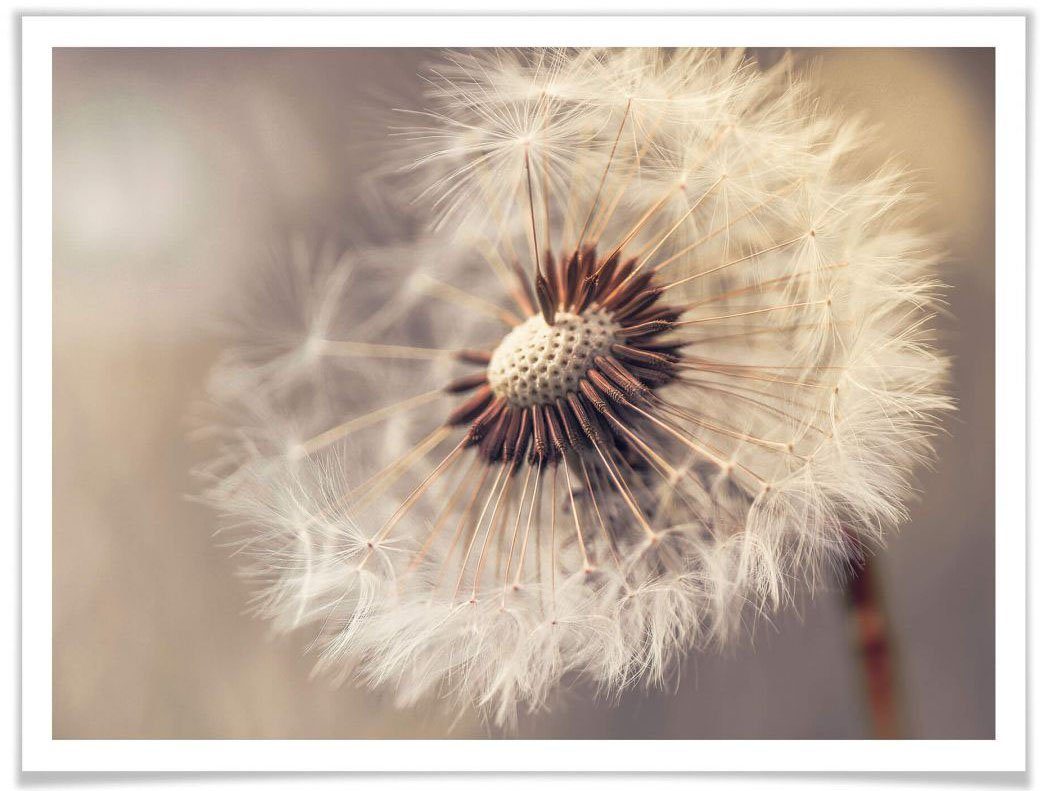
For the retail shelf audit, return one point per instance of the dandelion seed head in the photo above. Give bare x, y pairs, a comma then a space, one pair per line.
662, 358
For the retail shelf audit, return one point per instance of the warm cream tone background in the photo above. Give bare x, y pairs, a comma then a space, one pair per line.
173, 169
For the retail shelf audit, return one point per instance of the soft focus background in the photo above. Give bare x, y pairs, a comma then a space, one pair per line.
176, 170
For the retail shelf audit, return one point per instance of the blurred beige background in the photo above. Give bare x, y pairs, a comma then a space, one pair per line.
173, 172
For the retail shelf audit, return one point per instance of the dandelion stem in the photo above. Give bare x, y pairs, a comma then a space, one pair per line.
873, 647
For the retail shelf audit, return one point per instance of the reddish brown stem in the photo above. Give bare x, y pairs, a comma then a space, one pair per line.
873, 646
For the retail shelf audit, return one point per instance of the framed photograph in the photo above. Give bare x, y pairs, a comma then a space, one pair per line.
557, 393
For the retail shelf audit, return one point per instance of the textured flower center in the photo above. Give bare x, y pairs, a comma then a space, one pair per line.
536, 363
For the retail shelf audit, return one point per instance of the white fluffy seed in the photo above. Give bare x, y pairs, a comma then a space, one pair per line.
537, 363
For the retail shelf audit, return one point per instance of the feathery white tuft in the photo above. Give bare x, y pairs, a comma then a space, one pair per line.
803, 391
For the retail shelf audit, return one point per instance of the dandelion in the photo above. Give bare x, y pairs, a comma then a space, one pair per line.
662, 359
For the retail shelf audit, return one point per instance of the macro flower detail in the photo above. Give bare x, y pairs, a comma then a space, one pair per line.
658, 357
549, 385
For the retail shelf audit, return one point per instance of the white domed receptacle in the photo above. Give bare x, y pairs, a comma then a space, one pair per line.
536, 363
